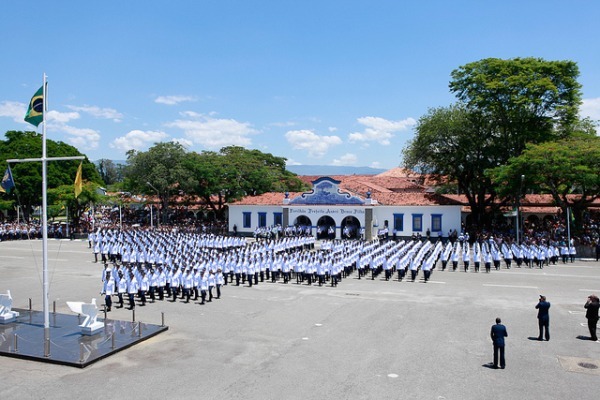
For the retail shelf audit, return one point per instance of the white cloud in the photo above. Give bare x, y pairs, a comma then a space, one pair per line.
173, 100
14, 110
97, 112
214, 133
138, 140
315, 145
190, 114
61, 117
282, 124
82, 138
184, 142
591, 108
346, 159
379, 129
375, 164
290, 161
332, 129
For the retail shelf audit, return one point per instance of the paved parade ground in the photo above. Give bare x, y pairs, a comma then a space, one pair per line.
364, 339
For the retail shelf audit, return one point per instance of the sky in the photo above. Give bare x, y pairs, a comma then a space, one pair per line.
317, 82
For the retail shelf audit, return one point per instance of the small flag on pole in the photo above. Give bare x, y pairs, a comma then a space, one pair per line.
35, 112
78, 181
7, 181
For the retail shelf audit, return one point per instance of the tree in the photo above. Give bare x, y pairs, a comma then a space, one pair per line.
160, 171
503, 105
527, 100
454, 144
64, 197
567, 169
109, 172
28, 176
235, 172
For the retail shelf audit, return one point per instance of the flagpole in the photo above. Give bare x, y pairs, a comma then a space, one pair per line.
569, 226
45, 219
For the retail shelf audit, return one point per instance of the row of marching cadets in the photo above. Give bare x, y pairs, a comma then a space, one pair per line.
159, 264
149, 284
490, 253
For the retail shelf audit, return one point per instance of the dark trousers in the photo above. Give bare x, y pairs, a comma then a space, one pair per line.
401, 273
131, 300
544, 324
592, 324
108, 302
499, 349
426, 274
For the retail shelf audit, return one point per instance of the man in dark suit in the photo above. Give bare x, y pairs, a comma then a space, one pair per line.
592, 306
543, 308
498, 333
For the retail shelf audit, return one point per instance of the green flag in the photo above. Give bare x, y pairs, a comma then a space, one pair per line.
35, 112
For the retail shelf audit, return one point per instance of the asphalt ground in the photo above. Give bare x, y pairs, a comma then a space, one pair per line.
364, 339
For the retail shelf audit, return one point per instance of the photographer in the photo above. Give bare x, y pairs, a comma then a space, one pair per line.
592, 305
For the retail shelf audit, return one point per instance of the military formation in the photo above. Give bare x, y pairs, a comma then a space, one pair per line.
142, 266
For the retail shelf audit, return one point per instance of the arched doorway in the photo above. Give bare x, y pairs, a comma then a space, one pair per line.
326, 228
302, 226
350, 228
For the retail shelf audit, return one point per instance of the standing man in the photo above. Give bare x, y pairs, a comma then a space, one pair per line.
498, 333
108, 289
132, 289
543, 307
592, 305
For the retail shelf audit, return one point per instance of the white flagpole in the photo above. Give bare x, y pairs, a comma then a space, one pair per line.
569, 226
45, 219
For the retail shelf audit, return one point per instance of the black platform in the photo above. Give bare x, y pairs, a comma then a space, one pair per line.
68, 346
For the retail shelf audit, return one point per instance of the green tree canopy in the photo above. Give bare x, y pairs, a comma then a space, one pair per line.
159, 171
455, 144
502, 106
235, 172
567, 167
28, 175
526, 100
109, 171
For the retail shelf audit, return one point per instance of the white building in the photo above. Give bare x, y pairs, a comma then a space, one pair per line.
352, 206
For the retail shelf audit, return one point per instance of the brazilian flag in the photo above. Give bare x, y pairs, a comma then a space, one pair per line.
35, 112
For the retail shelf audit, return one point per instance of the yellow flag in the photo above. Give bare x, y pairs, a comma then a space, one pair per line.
78, 181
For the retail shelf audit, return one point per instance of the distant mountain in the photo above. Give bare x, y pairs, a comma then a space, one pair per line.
332, 170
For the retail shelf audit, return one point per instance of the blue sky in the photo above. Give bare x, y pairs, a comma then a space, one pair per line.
317, 82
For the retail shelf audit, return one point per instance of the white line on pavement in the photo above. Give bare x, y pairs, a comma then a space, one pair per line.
511, 286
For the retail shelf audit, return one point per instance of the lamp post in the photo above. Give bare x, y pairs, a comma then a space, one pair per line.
157, 209
518, 221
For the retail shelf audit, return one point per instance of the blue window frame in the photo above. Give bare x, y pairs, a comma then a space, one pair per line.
398, 222
262, 219
278, 218
417, 222
436, 222
247, 219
